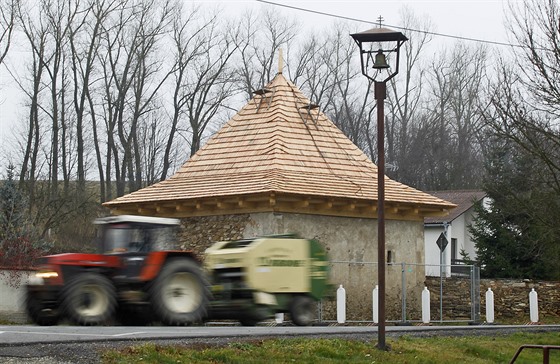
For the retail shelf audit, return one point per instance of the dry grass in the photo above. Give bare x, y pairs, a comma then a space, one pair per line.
481, 349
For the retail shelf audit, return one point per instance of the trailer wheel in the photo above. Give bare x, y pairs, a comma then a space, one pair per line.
89, 299
302, 310
180, 294
38, 313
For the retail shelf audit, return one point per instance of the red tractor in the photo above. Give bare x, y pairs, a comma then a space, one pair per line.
135, 277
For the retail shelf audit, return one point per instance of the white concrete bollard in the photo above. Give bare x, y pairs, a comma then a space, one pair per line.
426, 306
375, 305
341, 305
489, 306
279, 317
533, 306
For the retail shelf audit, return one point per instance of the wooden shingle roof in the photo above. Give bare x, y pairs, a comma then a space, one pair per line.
278, 153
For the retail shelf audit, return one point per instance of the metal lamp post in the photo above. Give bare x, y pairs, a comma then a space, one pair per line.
374, 44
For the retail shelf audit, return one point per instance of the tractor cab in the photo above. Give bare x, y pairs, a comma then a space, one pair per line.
134, 239
136, 234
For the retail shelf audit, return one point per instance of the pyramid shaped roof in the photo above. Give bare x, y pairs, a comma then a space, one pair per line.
278, 153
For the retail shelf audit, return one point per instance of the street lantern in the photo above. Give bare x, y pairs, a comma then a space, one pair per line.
376, 46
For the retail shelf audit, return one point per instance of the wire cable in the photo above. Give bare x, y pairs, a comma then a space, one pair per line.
392, 26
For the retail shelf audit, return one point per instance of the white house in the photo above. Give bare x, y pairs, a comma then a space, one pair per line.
454, 228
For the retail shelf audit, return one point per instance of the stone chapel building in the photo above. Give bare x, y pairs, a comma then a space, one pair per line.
281, 166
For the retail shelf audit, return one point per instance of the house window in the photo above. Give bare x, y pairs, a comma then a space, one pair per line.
453, 250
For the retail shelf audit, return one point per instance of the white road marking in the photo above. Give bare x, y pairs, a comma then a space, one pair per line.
130, 333
78, 333
73, 334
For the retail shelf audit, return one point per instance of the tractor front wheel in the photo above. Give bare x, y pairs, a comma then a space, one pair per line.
180, 294
89, 299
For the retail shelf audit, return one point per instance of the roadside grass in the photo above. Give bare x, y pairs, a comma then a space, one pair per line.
405, 349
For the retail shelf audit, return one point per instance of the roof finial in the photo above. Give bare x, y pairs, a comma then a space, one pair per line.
280, 61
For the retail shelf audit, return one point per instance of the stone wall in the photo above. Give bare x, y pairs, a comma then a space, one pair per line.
199, 233
511, 298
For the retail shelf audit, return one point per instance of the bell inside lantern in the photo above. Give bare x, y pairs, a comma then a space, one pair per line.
380, 61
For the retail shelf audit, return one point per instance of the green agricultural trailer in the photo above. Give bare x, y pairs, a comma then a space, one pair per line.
253, 279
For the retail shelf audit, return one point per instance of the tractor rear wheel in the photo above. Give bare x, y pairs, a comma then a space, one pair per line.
89, 299
180, 294
302, 310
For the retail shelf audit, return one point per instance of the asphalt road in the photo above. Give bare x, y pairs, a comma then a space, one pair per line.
19, 335
79, 344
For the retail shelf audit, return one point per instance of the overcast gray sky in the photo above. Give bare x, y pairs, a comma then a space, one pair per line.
481, 19
468, 18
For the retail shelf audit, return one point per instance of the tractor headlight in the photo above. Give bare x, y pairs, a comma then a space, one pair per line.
46, 274
38, 278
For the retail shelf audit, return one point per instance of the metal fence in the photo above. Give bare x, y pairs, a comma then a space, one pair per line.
456, 300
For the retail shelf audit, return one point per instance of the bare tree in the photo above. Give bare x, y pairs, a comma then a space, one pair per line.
84, 37
133, 76
335, 82
259, 39
514, 119
213, 82
203, 79
468, 87
36, 34
116, 58
535, 26
405, 96
152, 25
526, 98
152, 138
47, 140
188, 45
446, 144
57, 15
8, 14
